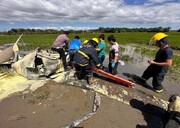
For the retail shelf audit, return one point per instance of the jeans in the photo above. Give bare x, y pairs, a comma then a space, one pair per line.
71, 56
113, 70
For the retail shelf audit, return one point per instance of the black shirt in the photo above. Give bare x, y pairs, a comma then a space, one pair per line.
163, 54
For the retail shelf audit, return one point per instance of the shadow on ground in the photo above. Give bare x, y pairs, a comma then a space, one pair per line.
154, 116
137, 80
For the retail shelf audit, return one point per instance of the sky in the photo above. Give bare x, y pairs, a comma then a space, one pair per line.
88, 14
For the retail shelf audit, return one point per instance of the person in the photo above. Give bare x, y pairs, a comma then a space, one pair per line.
85, 59
173, 112
85, 42
101, 49
113, 55
61, 45
159, 66
74, 46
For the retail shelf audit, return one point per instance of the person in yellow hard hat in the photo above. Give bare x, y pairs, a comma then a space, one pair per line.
85, 59
85, 42
159, 66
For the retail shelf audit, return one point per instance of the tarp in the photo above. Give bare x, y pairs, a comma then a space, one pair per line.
6, 55
38, 63
9, 52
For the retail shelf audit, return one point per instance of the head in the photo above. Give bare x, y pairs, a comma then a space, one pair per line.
95, 39
174, 103
77, 37
160, 39
111, 39
85, 42
66, 32
101, 37
93, 42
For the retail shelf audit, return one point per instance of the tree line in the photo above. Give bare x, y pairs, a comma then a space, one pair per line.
14, 31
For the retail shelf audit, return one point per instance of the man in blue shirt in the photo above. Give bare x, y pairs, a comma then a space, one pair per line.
74, 46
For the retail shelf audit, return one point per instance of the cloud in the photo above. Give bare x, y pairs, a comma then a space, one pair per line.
161, 1
65, 28
99, 11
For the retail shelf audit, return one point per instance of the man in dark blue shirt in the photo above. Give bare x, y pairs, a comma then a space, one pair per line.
159, 66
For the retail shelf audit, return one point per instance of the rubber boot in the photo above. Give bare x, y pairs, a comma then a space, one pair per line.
90, 79
77, 75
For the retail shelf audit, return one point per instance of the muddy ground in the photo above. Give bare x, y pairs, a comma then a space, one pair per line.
56, 105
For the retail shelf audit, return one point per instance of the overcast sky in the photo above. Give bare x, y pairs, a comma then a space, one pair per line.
84, 14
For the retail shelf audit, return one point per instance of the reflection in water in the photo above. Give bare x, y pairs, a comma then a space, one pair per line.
135, 54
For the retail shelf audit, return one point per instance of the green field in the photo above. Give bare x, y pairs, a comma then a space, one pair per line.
139, 39
45, 40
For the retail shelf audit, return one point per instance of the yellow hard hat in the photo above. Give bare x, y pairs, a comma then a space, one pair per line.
157, 37
85, 41
95, 39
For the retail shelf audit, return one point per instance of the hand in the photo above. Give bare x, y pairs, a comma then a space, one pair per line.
151, 62
99, 66
113, 64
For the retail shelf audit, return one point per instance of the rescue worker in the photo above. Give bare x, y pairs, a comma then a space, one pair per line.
173, 120
101, 49
74, 46
113, 55
61, 45
85, 59
159, 66
85, 42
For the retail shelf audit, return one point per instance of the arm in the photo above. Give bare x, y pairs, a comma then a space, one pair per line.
94, 56
115, 59
66, 42
116, 52
167, 63
98, 49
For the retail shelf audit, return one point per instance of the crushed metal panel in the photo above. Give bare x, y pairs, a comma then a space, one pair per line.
37, 64
22, 65
6, 55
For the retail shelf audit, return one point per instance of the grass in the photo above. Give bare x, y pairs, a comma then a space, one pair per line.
139, 39
46, 40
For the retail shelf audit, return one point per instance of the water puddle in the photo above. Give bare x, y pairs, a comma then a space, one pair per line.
135, 56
